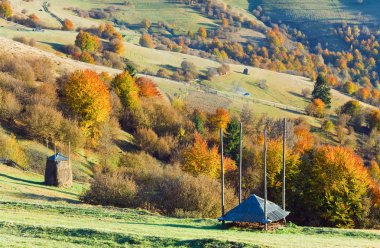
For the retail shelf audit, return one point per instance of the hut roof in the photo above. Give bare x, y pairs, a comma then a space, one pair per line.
252, 210
58, 157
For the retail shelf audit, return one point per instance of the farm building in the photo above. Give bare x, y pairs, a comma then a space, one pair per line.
58, 171
252, 210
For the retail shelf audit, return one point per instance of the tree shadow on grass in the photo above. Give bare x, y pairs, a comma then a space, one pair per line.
46, 198
26, 182
21, 179
55, 46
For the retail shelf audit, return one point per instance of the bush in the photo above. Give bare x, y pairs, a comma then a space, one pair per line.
164, 73
146, 139
11, 149
45, 94
146, 41
44, 69
42, 122
68, 25
9, 105
148, 184
112, 188
223, 69
306, 92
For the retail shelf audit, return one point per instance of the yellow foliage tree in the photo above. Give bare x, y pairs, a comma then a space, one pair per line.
89, 99
199, 159
220, 119
5, 9
126, 88
11, 149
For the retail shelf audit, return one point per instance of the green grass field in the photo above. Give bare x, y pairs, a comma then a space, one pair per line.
34, 215
318, 18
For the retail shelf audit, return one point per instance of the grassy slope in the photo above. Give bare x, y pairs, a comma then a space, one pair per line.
32, 214
318, 18
283, 88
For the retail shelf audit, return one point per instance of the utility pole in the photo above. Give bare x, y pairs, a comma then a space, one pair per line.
283, 164
265, 180
222, 169
240, 159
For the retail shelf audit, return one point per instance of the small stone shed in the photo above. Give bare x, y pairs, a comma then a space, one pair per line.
58, 171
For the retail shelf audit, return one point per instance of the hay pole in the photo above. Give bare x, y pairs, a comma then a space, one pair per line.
47, 148
240, 159
283, 165
222, 170
69, 151
265, 181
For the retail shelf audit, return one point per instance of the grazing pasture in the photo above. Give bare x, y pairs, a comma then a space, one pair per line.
32, 214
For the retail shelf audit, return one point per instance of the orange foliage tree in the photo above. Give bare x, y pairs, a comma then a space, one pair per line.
220, 119
147, 87
67, 25
316, 108
146, 41
89, 99
199, 159
202, 32
364, 93
305, 139
117, 46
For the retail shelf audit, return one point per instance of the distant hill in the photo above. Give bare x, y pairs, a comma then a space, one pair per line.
318, 19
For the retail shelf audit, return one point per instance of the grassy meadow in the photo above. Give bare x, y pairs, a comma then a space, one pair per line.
34, 215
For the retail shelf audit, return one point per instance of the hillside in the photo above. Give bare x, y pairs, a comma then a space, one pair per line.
318, 19
147, 99
32, 214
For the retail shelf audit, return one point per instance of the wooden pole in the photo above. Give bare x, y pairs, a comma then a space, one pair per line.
265, 180
240, 159
222, 169
55, 152
69, 151
283, 165
47, 148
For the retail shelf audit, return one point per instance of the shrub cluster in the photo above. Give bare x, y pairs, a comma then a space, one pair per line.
141, 181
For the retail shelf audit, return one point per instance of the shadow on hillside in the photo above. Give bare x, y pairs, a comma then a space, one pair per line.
26, 182
32, 196
55, 46
299, 95
21, 180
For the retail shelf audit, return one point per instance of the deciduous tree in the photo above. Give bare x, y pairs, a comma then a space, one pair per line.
220, 119
126, 88
89, 99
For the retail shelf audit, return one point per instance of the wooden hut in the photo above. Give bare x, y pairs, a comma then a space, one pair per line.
58, 171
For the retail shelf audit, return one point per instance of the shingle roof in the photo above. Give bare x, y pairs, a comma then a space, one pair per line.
252, 210
58, 157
